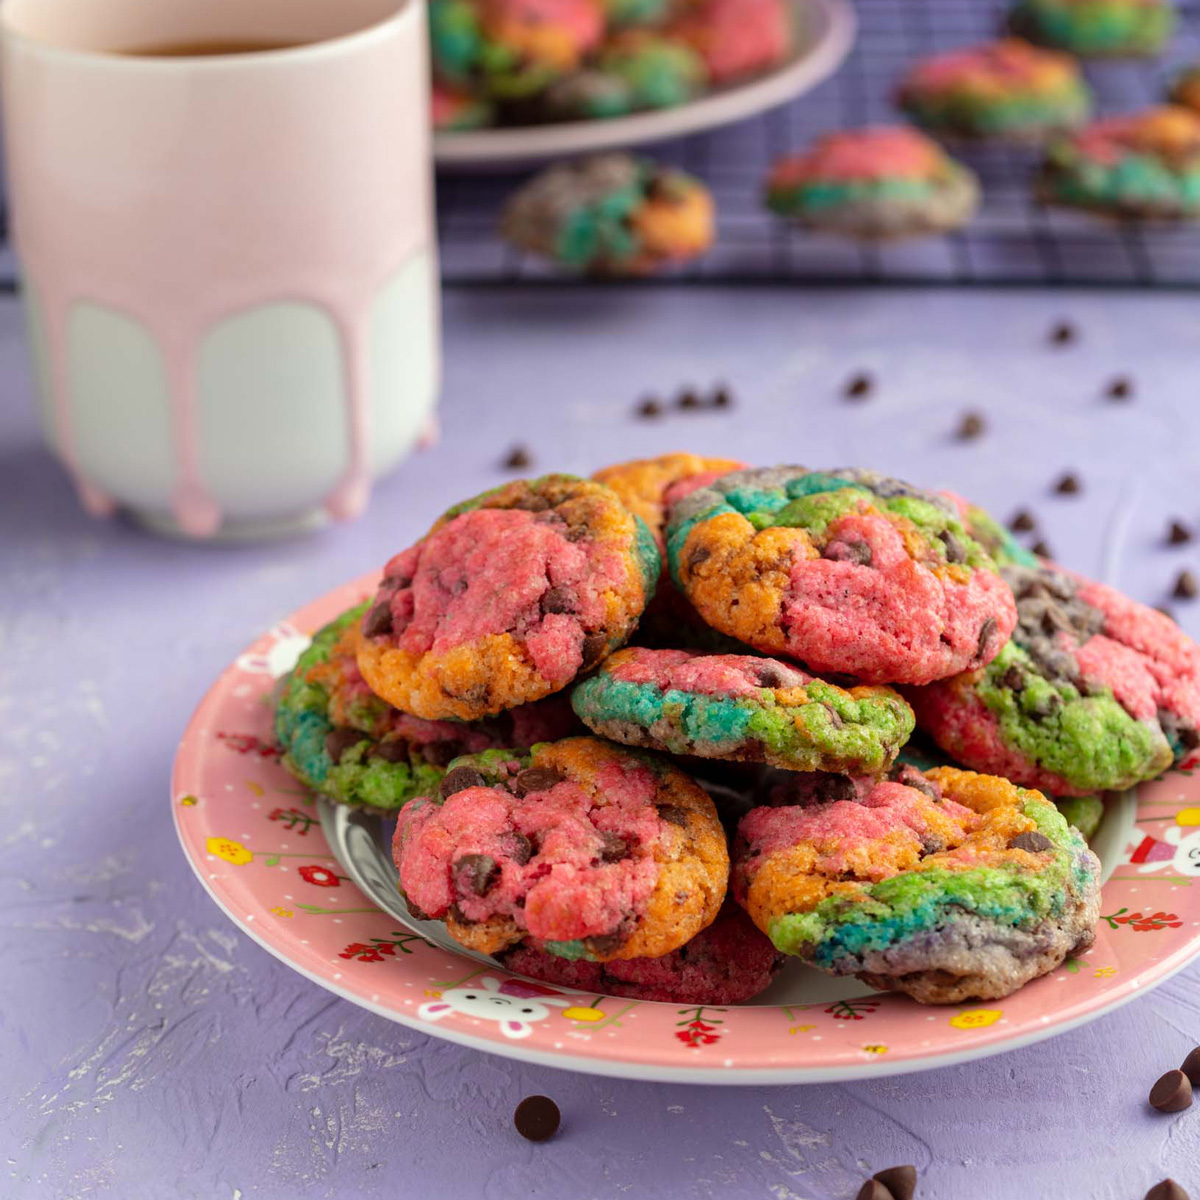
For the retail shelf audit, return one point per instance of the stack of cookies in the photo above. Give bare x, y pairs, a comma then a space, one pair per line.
646, 734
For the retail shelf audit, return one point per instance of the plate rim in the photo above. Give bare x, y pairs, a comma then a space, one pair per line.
701, 1072
838, 25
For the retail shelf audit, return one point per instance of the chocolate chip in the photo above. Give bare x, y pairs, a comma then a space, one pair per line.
338, 741
722, 398
956, 552
457, 915
536, 779
1185, 586
971, 426
459, 780
475, 873
417, 914
1041, 550
441, 753
1121, 388
613, 847
517, 459
985, 635
1063, 333
698, 555
1178, 534
770, 675
1032, 841
593, 648
537, 1118
1013, 679
558, 600
900, 1181
1068, 485
687, 399
859, 387
1191, 1066
835, 718
394, 751
603, 944
1167, 1190
1171, 1092
520, 848
833, 788
649, 409
673, 814
873, 1190
378, 622
530, 503
853, 552
1022, 521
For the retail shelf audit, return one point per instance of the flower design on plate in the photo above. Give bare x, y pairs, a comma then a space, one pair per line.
229, 850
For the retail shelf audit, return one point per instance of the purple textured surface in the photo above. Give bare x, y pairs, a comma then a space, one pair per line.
149, 1050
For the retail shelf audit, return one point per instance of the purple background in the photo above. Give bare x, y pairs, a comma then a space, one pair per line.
149, 1050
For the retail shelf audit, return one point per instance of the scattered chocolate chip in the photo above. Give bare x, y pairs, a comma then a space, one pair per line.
1032, 841
378, 622
859, 387
1171, 1092
985, 635
441, 753
1167, 1190
536, 779
558, 600
537, 1118
853, 552
1063, 333
459, 780
1191, 1066
518, 459
1185, 586
1022, 521
1120, 388
722, 398
338, 741
604, 944
956, 552
521, 848
1178, 534
1013, 679
475, 873
649, 409
1068, 485
687, 399
594, 646
1041, 549
613, 847
673, 814
394, 751
900, 1181
874, 1190
971, 426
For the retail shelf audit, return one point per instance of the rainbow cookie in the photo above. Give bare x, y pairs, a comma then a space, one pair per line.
727, 963
507, 598
512, 49
455, 109
848, 571
1095, 27
623, 14
742, 708
612, 215
341, 740
590, 850
1094, 692
1006, 89
737, 38
946, 885
874, 184
1142, 166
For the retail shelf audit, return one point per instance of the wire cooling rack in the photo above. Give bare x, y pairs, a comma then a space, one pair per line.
1011, 241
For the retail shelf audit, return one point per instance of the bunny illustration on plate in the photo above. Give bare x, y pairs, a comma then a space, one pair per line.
285, 644
510, 1004
1178, 848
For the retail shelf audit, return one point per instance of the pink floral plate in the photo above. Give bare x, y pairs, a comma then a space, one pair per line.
254, 838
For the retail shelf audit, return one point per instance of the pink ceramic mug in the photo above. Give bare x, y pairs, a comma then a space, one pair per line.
229, 258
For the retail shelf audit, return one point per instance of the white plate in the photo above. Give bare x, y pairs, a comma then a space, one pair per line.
824, 34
